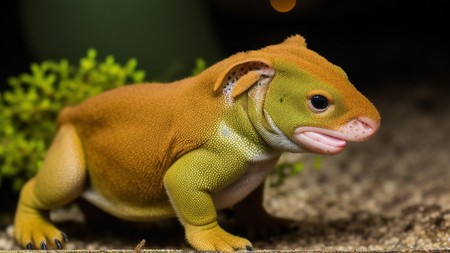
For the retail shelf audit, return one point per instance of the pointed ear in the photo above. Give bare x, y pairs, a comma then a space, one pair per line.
295, 40
242, 75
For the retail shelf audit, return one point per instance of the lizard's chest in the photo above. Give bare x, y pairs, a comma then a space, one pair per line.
238, 190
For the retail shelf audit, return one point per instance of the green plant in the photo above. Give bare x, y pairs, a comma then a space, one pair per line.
30, 106
200, 65
285, 170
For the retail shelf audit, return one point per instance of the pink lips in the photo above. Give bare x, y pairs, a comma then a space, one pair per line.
326, 141
320, 143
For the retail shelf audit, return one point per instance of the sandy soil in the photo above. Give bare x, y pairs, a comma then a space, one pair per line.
392, 192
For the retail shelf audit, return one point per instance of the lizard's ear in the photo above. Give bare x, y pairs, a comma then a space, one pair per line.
242, 75
295, 40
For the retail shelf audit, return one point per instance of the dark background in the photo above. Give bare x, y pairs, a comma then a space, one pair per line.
378, 43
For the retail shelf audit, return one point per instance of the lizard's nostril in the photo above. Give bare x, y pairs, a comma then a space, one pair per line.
366, 126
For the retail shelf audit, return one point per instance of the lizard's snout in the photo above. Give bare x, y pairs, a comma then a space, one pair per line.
359, 129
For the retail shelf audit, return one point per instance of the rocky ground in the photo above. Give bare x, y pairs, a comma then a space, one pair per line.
390, 193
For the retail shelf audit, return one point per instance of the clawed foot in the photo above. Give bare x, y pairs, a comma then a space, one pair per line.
213, 238
32, 231
44, 246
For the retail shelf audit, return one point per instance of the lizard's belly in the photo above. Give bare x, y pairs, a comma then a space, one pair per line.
126, 211
237, 191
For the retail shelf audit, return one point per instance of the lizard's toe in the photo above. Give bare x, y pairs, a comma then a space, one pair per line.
58, 244
30, 246
39, 234
43, 246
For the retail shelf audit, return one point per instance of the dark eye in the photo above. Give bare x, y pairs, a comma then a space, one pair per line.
318, 103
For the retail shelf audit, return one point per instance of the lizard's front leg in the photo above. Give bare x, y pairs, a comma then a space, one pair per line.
190, 182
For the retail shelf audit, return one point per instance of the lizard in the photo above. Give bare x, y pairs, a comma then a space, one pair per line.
187, 149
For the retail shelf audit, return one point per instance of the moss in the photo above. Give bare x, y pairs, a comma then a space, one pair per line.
288, 169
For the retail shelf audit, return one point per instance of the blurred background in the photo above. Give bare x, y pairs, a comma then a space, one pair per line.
374, 41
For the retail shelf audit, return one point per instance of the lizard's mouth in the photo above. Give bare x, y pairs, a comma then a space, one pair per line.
330, 142
320, 142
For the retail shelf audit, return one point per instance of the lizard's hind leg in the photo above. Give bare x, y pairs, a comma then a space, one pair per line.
59, 181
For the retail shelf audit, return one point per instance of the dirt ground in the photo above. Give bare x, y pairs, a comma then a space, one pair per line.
390, 193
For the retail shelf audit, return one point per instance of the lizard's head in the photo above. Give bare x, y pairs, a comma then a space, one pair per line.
298, 101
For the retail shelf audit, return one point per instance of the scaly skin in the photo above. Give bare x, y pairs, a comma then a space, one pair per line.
151, 151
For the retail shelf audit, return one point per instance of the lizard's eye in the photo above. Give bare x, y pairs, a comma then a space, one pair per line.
318, 103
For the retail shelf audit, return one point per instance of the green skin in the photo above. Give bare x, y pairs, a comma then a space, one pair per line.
254, 125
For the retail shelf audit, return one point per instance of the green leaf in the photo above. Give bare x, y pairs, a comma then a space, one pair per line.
200, 65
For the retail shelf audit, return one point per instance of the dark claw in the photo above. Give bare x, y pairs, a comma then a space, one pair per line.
249, 248
64, 236
43, 245
30, 245
58, 244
